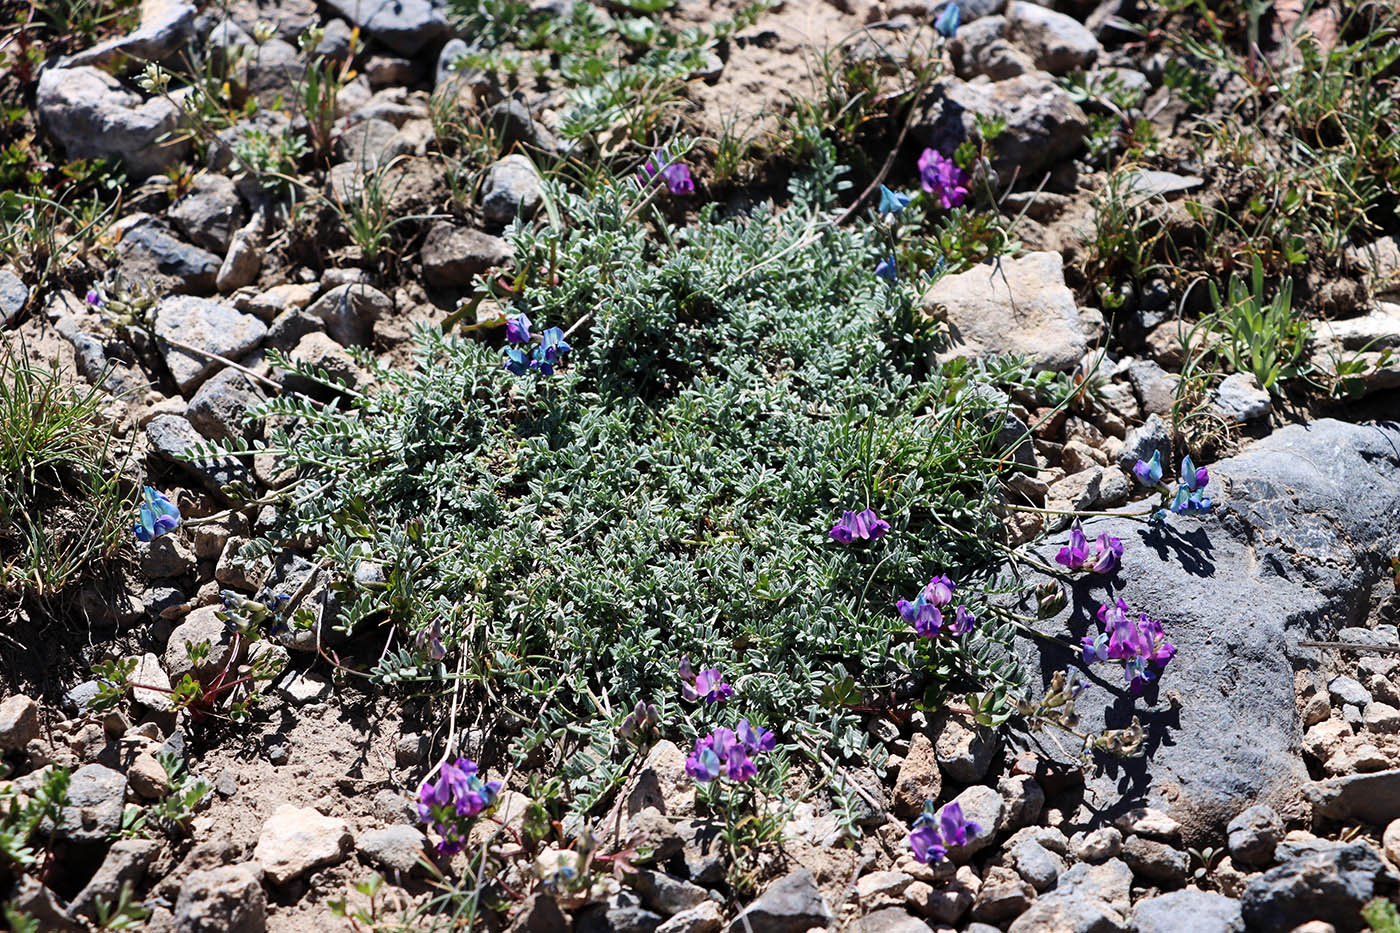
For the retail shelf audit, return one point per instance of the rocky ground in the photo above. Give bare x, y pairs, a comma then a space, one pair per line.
1269, 795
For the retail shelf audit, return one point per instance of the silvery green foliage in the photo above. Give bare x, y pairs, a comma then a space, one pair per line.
737, 384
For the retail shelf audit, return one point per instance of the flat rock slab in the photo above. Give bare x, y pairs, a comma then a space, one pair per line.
1373, 798
1305, 523
1019, 305
208, 326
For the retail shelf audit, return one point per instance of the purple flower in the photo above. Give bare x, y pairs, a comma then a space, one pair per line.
552, 347
675, 174
755, 739
927, 844
1149, 474
947, 22
1136, 643
1077, 551
933, 833
1189, 493
458, 795
964, 622
430, 642
886, 269
738, 766
942, 178
93, 298
926, 618
1107, 553
939, 591
865, 525
725, 752
518, 328
703, 765
708, 684
159, 516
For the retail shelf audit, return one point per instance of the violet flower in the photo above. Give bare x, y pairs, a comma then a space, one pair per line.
926, 618
458, 796
1107, 554
430, 642
93, 298
964, 622
939, 590
1076, 552
551, 349
159, 516
948, 20
935, 832
892, 202
886, 269
1149, 474
675, 174
518, 328
941, 177
1137, 643
865, 525
708, 684
726, 752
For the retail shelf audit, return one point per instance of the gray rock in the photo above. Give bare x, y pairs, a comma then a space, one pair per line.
1002, 896
79, 699
243, 260
453, 256
1239, 398
219, 409
200, 626
1302, 521
391, 807
1057, 43
1020, 306
1371, 798
981, 805
1188, 911
166, 25
148, 250
1063, 915
1101, 844
404, 26
510, 120
305, 687
1347, 690
964, 749
222, 155
349, 312
14, 295
981, 48
94, 811
103, 363
538, 914
125, 862
666, 895
1149, 822
208, 326
165, 557
792, 904
512, 189
274, 69
1332, 885
1023, 799
289, 327
1155, 388
40, 904
892, 920
1255, 833
1109, 883
621, 913
1156, 861
1037, 865
1043, 123
93, 116
367, 144
452, 50
1146, 183
171, 436
19, 722
1152, 435
209, 212
222, 900
396, 848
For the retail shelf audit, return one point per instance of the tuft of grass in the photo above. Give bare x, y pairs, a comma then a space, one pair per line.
61, 502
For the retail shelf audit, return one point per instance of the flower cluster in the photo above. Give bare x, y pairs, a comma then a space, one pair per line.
550, 351
262, 613
159, 516
458, 796
675, 174
865, 525
1136, 643
941, 177
641, 723
727, 751
934, 833
708, 685
1190, 495
925, 613
1075, 556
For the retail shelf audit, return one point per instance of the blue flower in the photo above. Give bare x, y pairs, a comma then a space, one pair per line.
948, 20
1190, 494
886, 269
892, 202
516, 361
159, 516
551, 348
518, 328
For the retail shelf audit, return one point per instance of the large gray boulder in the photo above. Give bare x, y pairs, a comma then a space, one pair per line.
94, 117
1304, 524
403, 25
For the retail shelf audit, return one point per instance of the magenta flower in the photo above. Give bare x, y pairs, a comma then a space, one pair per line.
449, 804
939, 591
1075, 556
865, 525
518, 328
1137, 644
964, 622
708, 684
93, 298
942, 178
1107, 554
1076, 552
725, 752
675, 174
926, 618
